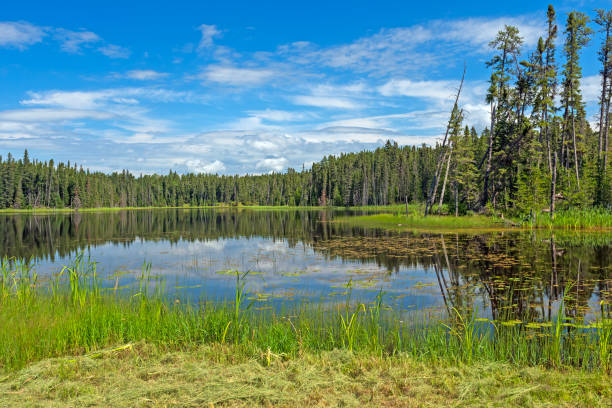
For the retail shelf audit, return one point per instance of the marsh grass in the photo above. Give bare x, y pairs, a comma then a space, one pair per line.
399, 221
573, 219
75, 314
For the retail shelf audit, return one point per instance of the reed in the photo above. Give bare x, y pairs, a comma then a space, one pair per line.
574, 219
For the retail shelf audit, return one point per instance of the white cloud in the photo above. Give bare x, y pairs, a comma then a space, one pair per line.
199, 166
264, 145
419, 89
591, 88
479, 31
272, 163
72, 41
16, 136
106, 97
115, 51
139, 138
413, 48
325, 102
375, 122
278, 115
51, 115
145, 74
20, 34
236, 76
70, 100
209, 32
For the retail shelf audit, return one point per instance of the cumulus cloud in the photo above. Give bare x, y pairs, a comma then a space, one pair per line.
20, 34
199, 166
272, 163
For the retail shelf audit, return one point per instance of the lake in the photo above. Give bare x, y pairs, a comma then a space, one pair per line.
304, 256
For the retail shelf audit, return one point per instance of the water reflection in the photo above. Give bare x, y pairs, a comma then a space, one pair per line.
305, 256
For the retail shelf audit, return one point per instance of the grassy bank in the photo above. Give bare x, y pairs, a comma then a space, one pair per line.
217, 375
576, 220
592, 218
434, 223
72, 314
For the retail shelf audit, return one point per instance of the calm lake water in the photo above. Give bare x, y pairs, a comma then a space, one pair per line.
304, 256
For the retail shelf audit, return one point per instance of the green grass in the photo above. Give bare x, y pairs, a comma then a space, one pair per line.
145, 375
594, 219
574, 219
73, 314
418, 222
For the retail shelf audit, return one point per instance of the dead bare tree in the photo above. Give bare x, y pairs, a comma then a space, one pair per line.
442, 155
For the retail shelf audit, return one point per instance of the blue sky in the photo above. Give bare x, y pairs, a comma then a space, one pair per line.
244, 87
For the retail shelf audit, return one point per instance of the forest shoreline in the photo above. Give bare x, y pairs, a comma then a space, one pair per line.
398, 217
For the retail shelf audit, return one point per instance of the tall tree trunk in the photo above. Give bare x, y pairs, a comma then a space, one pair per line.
575, 150
456, 200
553, 187
602, 114
450, 154
607, 125
563, 133
485, 189
548, 144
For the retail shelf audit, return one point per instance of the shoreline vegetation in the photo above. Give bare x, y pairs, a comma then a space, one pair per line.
61, 336
400, 217
574, 220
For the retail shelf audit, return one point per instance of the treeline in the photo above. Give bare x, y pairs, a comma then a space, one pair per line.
387, 175
539, 152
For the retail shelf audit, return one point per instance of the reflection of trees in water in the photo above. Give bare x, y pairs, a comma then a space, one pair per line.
519, 275
48, 236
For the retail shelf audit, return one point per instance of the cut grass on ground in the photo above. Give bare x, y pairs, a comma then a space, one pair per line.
226, 376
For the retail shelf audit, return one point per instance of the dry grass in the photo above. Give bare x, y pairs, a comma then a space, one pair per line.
229, 376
